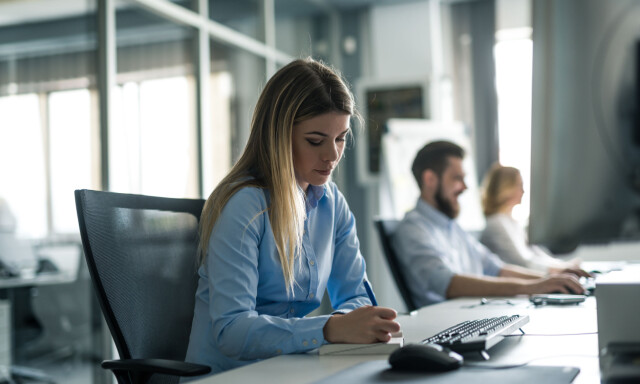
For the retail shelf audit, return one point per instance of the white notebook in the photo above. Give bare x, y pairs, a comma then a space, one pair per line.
397, 340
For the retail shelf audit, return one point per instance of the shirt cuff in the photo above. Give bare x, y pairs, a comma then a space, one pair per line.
494, 268
311, 335
341, 312
440, 281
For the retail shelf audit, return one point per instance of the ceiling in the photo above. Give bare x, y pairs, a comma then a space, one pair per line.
27, 11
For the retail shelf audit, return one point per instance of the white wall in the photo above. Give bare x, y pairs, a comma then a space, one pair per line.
400, 40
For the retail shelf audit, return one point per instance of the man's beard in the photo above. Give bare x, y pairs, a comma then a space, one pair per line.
444, 205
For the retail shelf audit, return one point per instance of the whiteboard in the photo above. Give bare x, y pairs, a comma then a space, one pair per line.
399, 190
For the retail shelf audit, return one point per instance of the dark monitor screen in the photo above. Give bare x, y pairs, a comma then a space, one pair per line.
585, 185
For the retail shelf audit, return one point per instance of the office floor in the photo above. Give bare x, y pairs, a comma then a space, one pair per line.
61, 372
71, 373
52, 329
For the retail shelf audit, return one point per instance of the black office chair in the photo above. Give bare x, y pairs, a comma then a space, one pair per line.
386, 228
141, 255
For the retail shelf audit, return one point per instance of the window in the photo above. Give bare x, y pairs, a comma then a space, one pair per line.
514, 68
22, 163
70, 154
152, 148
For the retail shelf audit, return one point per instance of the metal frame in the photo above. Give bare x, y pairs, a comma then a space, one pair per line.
198, 19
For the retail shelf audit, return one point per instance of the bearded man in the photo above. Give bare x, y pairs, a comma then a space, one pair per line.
439, 259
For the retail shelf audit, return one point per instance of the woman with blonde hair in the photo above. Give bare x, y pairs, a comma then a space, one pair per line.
276, 232
502, 190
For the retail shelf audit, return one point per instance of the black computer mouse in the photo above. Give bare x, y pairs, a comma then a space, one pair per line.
425, 358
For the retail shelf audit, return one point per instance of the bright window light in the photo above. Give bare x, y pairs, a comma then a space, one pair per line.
70, 138
124, 141
514, 68
152, 139
216, 139
23, 164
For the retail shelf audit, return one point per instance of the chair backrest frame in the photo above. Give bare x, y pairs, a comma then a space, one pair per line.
386, 228
112, 200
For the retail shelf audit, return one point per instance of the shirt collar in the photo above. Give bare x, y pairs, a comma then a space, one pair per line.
314, 194
433, 214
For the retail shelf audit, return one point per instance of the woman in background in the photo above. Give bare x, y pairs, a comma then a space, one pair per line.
502, 190
276, 232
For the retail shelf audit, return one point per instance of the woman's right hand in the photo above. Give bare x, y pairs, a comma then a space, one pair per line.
362, 326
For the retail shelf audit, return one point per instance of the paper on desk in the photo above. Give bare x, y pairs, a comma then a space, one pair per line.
397, 340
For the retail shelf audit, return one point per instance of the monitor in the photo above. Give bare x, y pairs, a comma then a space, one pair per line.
382, 100
585, 168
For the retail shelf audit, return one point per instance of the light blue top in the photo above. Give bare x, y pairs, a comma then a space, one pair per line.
242, 311
432, 248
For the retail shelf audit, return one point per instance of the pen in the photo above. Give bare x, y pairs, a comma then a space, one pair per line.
372, 297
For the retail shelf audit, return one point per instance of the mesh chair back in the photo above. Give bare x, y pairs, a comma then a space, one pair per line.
386, 228
141, 254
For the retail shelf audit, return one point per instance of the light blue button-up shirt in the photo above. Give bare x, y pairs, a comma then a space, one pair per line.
432, 248
242, 311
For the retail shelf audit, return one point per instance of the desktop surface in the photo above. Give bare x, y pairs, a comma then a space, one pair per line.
44, 278
556, 336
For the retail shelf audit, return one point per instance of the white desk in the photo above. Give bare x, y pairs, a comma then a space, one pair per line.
567, 350
45, 278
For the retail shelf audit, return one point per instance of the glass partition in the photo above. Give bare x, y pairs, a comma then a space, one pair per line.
152, 142
47, 136
236, 79
302, 28
21, 153
244, 16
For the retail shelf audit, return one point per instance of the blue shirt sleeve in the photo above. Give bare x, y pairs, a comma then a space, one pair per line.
345, 286
491, 263
232, 264
422, 257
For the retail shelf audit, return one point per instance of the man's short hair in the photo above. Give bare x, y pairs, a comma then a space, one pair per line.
434, 156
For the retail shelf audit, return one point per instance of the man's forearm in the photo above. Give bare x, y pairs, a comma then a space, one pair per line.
510, 270
465, 285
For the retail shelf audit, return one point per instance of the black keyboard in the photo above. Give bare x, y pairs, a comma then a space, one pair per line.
477, 335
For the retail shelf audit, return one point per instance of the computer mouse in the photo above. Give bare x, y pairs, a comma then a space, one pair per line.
425, 358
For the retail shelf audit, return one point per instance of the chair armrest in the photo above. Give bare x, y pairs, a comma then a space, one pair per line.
162, 366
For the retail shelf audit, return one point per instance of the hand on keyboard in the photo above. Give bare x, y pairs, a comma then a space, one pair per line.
563, 283
572, 270
589, 284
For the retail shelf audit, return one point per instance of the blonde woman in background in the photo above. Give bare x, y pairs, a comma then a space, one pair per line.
276, 233
502, 190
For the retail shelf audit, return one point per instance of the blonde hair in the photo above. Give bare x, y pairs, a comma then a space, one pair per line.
498, 186
301, 90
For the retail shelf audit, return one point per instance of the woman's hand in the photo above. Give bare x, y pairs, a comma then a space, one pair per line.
362, 326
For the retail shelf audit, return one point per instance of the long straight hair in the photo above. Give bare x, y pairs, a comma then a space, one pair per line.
301, 90
498, 187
